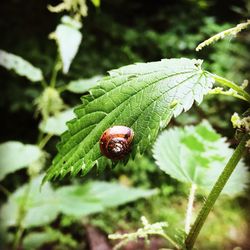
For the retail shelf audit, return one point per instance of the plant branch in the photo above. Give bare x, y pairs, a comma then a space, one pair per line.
62, 88
55, 71
21, 216
217, 91
44, 141
43, 83
229, 32
5, 190
231, 85
170, 240
189, 212
215, 192
23, 206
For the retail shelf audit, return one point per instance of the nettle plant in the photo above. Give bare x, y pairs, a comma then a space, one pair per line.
142, 98
27, 215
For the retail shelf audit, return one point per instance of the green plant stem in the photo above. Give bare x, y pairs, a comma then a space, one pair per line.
62, 88
215, 192
43, 84
55, 71
229, 94
189, 212
5, 190
44, 141
23, 209
170, 240
21, 216
231, 85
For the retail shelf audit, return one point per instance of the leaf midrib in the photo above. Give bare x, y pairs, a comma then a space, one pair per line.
129, 82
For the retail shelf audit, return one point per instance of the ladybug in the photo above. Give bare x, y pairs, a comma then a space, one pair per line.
115, 142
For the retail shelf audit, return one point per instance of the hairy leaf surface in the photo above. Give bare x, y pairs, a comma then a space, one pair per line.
198, 155
143, 96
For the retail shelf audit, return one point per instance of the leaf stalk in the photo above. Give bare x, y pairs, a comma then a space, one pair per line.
231, 85
189, 212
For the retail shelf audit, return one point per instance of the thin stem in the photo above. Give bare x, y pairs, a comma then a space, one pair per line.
39, 137
43, 83
21, 216
229, 32
231, 85
62, 88
189, 212
5, 190
23, 209
44, 141
55, 71
170, 240
228, 94
215, 192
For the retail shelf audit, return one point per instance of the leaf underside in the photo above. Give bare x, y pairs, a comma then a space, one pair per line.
20, 66
15, 155
68, 38
143, 96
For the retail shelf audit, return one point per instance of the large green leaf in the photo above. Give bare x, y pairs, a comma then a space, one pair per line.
93, 197
198, 155
15, 155
41, 206
68, 38
20, 66
143, 96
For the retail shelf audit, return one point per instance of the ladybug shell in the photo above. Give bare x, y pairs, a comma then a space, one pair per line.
115, 142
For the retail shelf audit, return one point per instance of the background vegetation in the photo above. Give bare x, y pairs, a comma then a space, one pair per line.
116, 34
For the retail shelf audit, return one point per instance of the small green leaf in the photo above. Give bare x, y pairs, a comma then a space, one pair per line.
139, 96
15, 155
198, 155
83, 85
38, 239
68, 38
20, 66
41, 206
96, 3
35, 240
56, 125
96, 196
